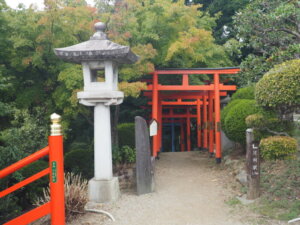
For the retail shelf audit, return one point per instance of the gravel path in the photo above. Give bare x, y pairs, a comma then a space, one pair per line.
188, 192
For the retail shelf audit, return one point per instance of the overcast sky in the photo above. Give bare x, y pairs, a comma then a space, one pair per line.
39, 3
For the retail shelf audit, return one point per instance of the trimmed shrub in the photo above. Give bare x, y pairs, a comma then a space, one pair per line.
225, 111
256, 120
278, 147
279, 88
235, 125
244, 93
80, 162
126, 134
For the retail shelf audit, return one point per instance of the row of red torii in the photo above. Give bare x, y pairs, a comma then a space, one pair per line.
183, 102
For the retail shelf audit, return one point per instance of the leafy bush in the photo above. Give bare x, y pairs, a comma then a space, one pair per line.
27, 133
126, 134
128, 154
244, 93
28, 195
256, 120
278, 147
225, 111
80, 161
235, 120
125, 154
266, 123
279, 88
9, 208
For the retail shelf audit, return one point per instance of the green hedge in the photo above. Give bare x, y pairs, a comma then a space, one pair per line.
126, 135
244, 93
278, 147
235, 125
80, 161
225, 111
279, 88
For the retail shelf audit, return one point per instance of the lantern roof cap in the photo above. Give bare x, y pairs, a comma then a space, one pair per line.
98, 48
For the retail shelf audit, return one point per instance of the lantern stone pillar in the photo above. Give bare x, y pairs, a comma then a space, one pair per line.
100, 59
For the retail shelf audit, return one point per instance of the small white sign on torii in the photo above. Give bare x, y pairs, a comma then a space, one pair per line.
153, 127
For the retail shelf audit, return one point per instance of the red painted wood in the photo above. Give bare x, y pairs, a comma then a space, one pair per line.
205, 122
188, 133
57, 193
210, 71
209, 87
31, 215
198, 123
180, 93
211, 122
182, 136
29, 159
155, 112
217, 116
24, 182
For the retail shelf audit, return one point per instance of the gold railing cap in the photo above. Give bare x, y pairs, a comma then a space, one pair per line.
55, 118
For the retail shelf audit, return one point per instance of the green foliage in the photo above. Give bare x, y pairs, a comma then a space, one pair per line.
244, 93
27, 134
122, 155
31, 192
265, 124
80, 161
265, 119
9, 208
280, 189
228, 10
165, 34
225, 111
269, 30
126, 134
278, 147
235, 120
279, 88
256, 120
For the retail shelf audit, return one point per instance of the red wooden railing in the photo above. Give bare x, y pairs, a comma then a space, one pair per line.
56, 206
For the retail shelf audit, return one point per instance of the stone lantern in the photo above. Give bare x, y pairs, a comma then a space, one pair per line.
100, 59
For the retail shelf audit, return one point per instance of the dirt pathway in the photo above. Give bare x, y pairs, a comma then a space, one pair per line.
188, 192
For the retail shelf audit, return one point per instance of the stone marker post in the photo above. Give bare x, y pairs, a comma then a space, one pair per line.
252, 165
100, 58
144, 161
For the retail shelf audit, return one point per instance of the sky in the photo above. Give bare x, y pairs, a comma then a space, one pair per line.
39, 3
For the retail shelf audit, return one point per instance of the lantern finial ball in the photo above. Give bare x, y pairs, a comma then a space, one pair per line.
100, 26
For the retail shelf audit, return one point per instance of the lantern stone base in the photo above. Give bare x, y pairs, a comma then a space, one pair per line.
103, 191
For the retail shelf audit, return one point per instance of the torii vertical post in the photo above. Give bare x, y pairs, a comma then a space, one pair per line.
217, 117
198, 123
159, 119
173, 135
205, 121
155, 112
211, 122
182, 136
188, 131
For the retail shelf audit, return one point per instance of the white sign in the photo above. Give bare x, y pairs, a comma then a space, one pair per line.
153, 127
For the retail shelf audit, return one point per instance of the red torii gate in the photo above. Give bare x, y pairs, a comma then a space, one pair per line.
195, 101
207, 95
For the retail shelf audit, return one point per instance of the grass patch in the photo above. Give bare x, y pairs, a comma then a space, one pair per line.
280, 192
233, 202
